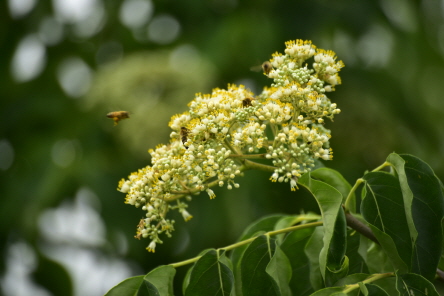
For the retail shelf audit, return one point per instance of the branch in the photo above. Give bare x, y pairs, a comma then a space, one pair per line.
360, 227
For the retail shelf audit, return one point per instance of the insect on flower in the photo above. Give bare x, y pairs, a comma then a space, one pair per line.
184, 135
140, 228
267, 67
247, 102
117, 116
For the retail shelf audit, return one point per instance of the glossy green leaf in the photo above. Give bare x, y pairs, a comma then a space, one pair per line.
312, 250
352, 279
159, 281
377, 260
382, 207
398, 164
128, 287
293, 246
263, 225
422, 192
388, 284
414, 284
336, 180
332, 276
357, 263
329, 200
279, 269
49, 271
210, 277
375, 290
255, 279
186, 280
337, 291
293, 220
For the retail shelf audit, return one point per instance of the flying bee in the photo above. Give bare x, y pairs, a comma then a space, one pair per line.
247, 102
267, 67
117, 116
184, 135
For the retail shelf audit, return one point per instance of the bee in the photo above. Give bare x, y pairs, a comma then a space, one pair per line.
184, 135
140, 227
247, 102
118, 115
267, 67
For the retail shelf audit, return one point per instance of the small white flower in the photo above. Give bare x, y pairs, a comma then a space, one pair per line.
274, 177
211, 193
151, 247
186, 216
293, 185
125, 188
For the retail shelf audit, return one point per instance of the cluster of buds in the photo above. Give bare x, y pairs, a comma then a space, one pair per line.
222, 134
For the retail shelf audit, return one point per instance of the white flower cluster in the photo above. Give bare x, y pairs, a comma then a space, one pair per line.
213, 142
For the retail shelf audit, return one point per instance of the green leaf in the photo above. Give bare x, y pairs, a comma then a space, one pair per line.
293, 246
425, 204
279, 269
332, 276
414, 284
312, 250
255, 279
210, 277
263, 225
329, 199
186, 280
357, 263
288, 221
375, 290
50, 271
159, 281
352, 279
336, 180
398, 164
337, 291
128, 287
377, 260
383, 207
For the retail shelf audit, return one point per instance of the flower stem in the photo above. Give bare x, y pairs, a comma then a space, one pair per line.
245, 156
370, 279
350, 195
258, 166
349, 198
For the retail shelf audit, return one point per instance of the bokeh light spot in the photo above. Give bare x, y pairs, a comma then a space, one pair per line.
74, 221
29, 59
74, 77
20, 262
50, 31
135, 13
19, 8
163, 29
376, 46
71, 11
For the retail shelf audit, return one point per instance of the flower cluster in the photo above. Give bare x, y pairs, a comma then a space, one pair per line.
223, 132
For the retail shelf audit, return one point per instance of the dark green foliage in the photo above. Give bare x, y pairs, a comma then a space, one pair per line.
331, 259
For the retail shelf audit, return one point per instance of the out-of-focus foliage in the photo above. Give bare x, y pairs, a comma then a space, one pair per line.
65, 64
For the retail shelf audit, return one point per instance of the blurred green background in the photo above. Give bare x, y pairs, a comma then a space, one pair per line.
66, 63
